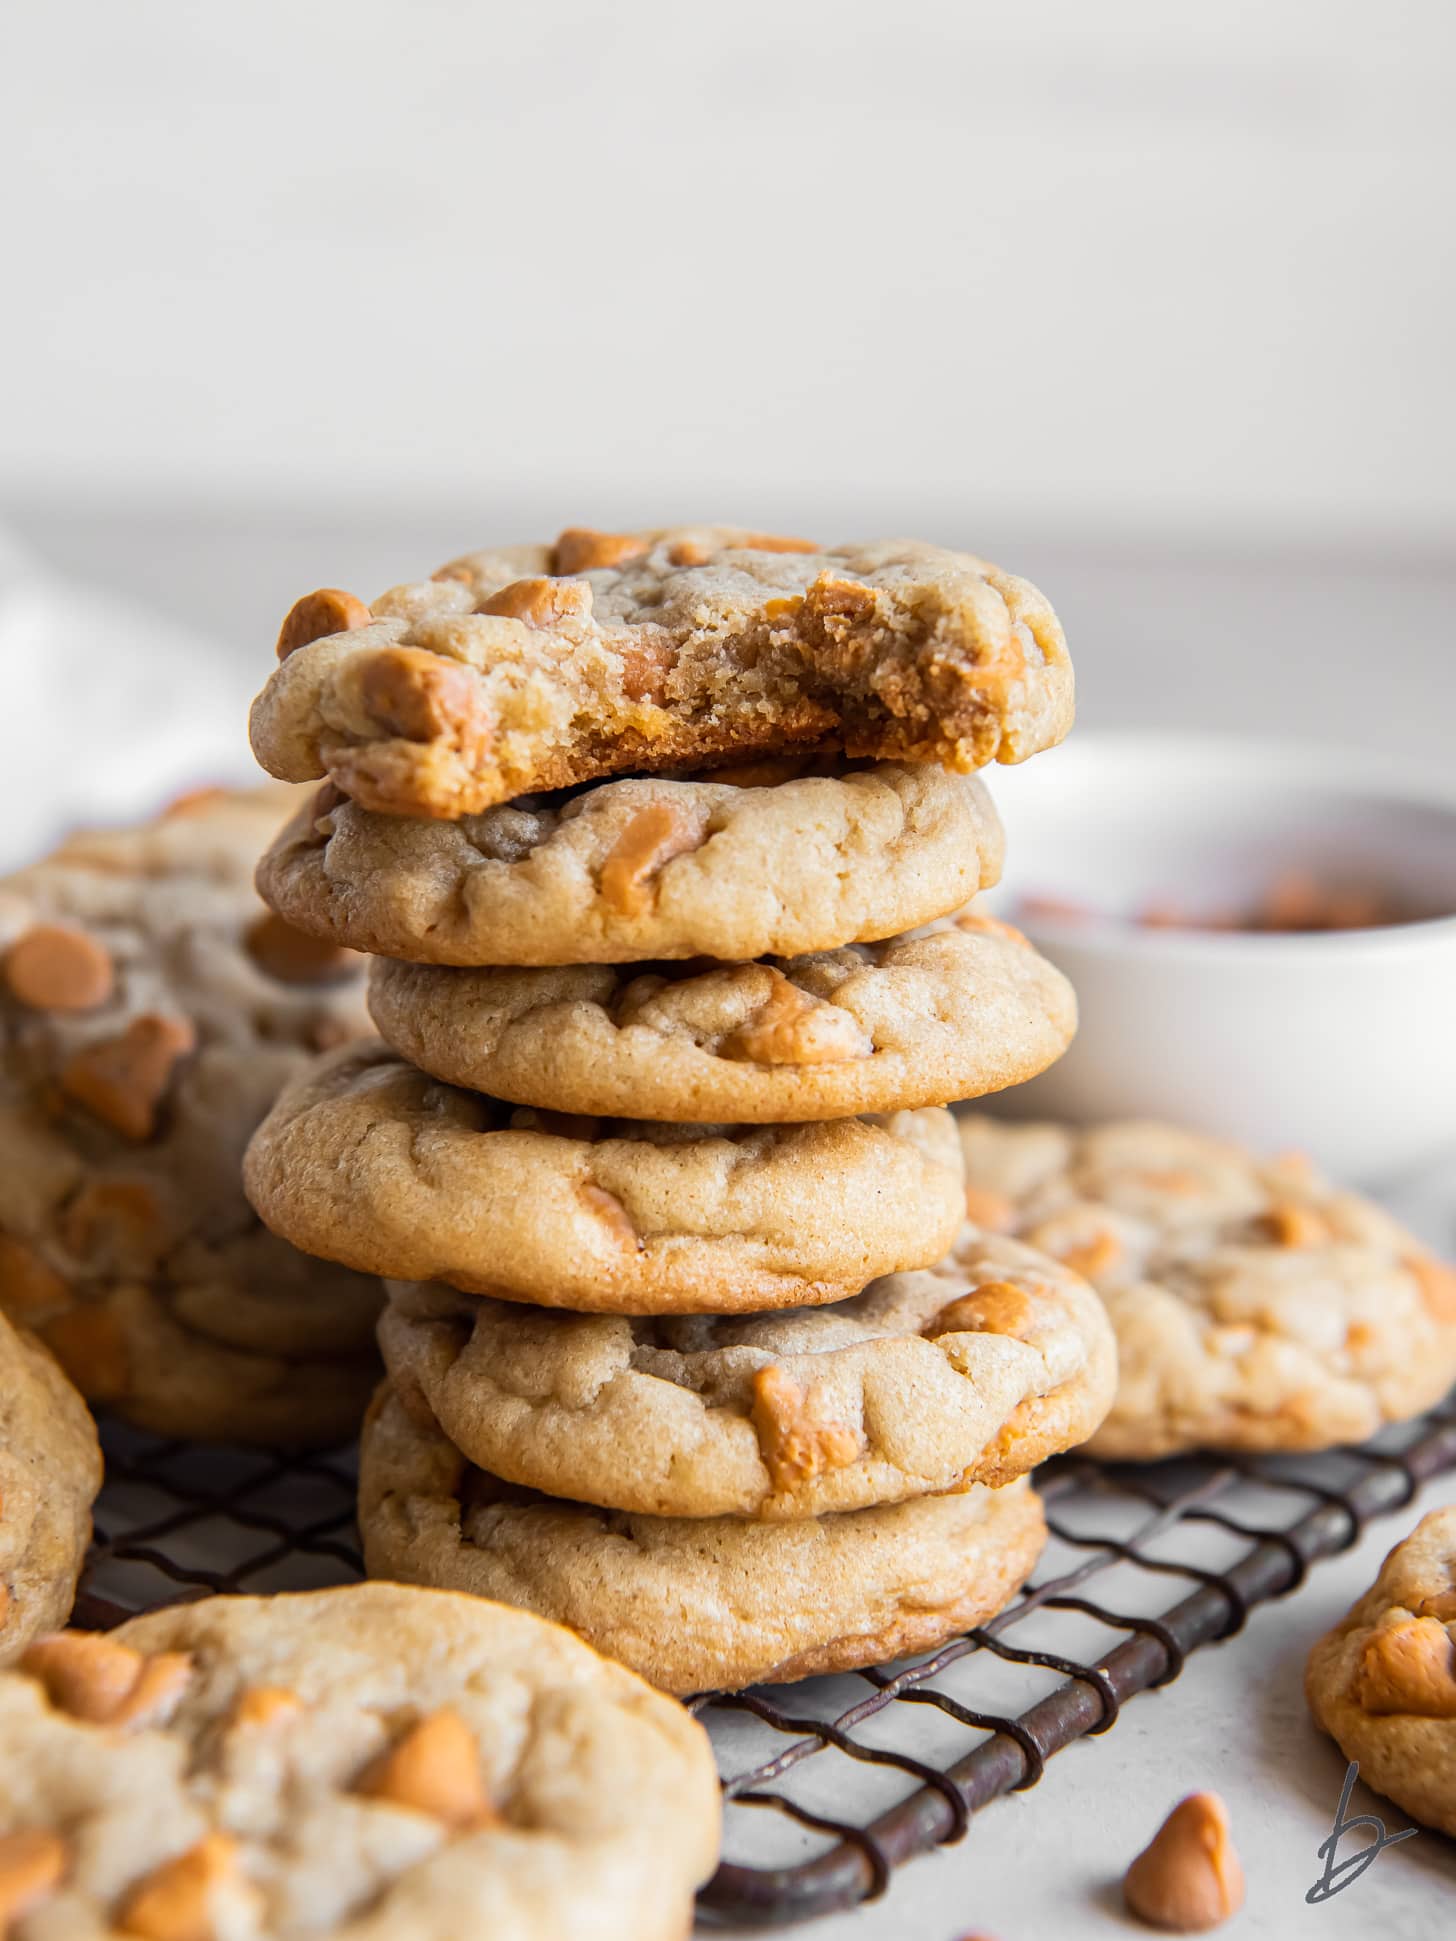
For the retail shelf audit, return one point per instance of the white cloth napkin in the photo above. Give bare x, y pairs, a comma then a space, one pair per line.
108, 710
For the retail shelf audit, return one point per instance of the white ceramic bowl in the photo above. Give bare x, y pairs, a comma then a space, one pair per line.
1340, 1043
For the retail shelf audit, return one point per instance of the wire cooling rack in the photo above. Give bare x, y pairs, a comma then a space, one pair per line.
1144, 1565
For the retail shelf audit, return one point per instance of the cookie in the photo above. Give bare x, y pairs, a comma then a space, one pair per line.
545, 666
1256, 1307
368, 1161
50, 1471
966, 1009
695, 1603
372, 1763
971, 1371
648, 868
1383, 1682
150, 1010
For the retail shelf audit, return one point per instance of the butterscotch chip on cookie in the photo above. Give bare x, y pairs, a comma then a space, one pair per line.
868, 1028
540, 667
50, 1471
1256, 1306
375, 1763
368, 1161
974, 1370
695, 1603
1383, 1682
150, 1010
647, 868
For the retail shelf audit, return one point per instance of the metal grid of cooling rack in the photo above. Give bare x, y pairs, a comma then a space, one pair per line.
1144, 1566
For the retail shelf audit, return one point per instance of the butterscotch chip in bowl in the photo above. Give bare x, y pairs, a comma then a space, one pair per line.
540, 667
1382, 1683
869, 1028
695, 1603
1256, 1305
368, 1161
654, 867
425, 1766
50, 1471
974, 1370
150, 1010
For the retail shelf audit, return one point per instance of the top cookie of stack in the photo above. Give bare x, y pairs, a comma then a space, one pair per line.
723, 949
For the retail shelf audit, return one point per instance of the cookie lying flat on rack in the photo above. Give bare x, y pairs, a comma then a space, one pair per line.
971, 1371
544, 666
150, 1010
368, 1764
1383, 1682
1255, 1305
368, 1161
966, 1009
701, 1603
645, 868
50, 1471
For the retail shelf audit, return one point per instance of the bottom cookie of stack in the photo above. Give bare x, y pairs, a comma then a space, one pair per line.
695, 1604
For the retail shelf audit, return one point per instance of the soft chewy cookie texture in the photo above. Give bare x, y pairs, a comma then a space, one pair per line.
538, 667
652, 867
150, 1010
50, 1471
695, 1603
1383, 1682
966, 1009
368, 1161
974, 1370
1255, 1305
373, 1763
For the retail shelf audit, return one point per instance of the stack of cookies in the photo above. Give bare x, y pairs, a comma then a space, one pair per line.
659, 841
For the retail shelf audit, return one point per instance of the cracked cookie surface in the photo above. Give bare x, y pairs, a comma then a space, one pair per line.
150, 1010
695, 1603
50, 1471
1256, 1306
373, 1763
539, 667
974, 1370
644, 868
1382, 1683
967, 1009
368, 1161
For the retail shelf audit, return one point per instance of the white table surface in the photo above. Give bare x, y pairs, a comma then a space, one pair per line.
1348, 650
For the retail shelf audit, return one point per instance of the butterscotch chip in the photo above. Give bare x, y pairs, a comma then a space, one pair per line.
1382, 1683
370, 1162
541, 602
796, 1444
1257, 1307
695, 645
580, 550
1188, 1878
1437, 1283
32, 1865
176, 1902
123, 1080
53, 968
50, 1471
317, 615
214, 1825
292, 956
803, 1412
697, 1603
128, 1240
869, 1028
649, 842
993, 1211
97, 1679
434, 1769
